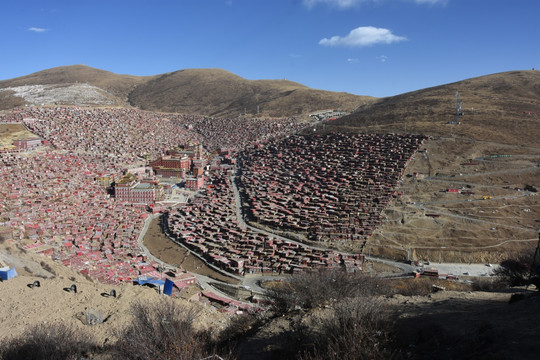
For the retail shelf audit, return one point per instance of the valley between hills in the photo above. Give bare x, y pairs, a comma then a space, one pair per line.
462, 201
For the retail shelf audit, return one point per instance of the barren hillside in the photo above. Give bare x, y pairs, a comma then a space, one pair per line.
211, 92
217, 92
117, 85
489, 158
501, 107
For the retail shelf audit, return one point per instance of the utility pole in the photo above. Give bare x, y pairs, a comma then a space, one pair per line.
458, 108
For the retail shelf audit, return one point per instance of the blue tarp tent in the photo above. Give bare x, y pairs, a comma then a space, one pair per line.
7, 273
143, 280
167, 290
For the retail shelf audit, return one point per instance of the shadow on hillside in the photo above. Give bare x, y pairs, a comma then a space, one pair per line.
274, 347
466, 329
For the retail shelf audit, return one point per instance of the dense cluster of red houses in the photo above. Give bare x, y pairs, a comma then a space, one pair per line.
126, 135
129, 134
209, 226
57, 199
241, 132
51, 199
326, 187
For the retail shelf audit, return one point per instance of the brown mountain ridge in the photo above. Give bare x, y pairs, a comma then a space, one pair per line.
501, 107
211, 92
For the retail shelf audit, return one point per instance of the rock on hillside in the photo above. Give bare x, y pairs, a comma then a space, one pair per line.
117, 85
74, 94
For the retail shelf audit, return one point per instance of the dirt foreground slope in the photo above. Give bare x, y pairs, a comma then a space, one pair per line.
24, 307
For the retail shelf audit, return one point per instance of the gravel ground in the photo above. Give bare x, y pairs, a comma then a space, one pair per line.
76, 94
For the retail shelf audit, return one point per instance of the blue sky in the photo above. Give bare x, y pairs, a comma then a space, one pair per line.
365, 47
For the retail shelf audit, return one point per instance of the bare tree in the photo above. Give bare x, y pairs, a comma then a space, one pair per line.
316, 288
516, 271
49, 341
356, 328
162, 330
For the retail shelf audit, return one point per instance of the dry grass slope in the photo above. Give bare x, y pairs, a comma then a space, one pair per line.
505, 121
212, 92
506, 109
216, 92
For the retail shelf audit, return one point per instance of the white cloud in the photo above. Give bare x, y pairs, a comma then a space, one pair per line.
352, 60
382, 58
363, 36
347, 4
342, 4
431, 2
36, 29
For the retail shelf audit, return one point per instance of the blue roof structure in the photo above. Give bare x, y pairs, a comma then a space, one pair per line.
7, 273
143, 280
